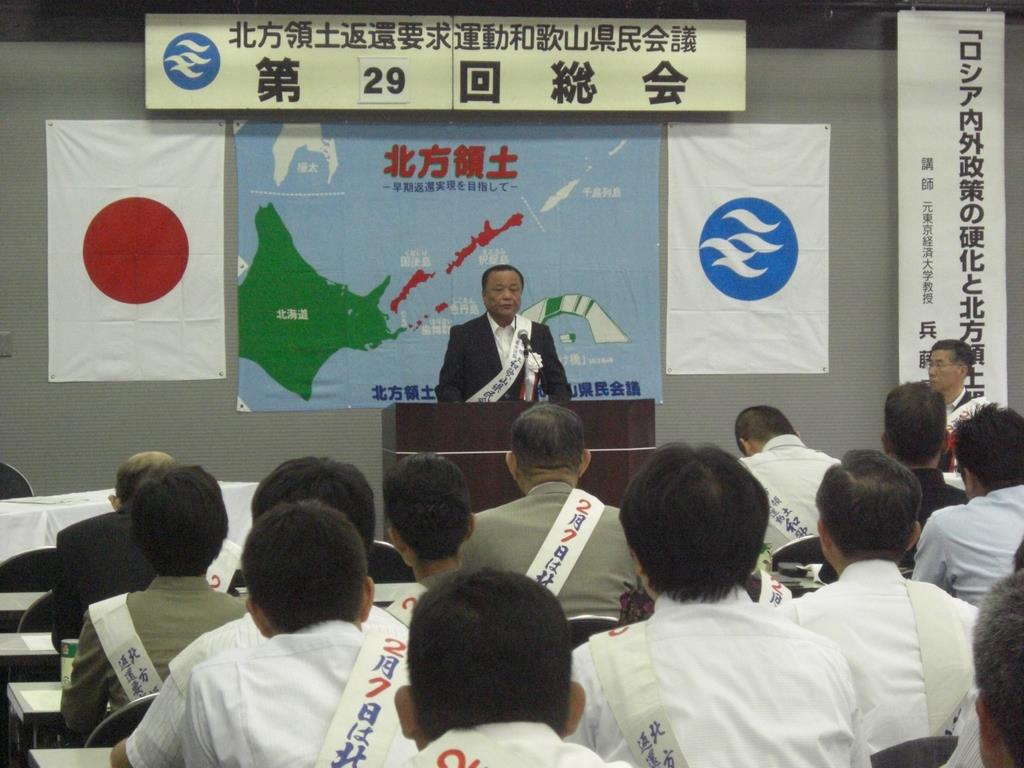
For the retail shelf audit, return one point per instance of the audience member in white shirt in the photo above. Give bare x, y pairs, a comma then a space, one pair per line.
900, 664
489, 676
156, 743
711, 677
293, 699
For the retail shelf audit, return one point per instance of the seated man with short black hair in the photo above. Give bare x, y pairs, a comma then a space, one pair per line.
489, 676
908, 643
710, 678
319, 689
179, 522
426, 503
967, 548
156, 743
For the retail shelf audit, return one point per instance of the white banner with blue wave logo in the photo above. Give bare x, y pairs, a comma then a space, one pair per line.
747, 249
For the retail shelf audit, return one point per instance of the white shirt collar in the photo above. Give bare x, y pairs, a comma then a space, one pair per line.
495, 327
872, 571
783, 441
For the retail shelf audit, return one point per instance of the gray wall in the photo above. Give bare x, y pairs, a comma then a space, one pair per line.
69, 437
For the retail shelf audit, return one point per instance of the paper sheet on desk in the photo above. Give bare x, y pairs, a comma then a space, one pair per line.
43, 701
38, 642
49, 501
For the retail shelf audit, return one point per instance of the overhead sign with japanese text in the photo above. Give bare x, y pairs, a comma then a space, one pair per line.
952, 193
444, 63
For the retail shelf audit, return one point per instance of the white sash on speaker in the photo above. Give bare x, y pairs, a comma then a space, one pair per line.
465, 749
623, 664
562, 547
132, 666
222, 570
366, 721
945, 657
496, 388
401, 607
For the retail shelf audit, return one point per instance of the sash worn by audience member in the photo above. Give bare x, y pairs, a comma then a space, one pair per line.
466, 749
623, 664
366, 721
575, 523
222, 570
496, 388
773, 592
115, 629
945, 657
402, 606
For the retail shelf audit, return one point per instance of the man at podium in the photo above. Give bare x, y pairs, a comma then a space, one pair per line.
501, 355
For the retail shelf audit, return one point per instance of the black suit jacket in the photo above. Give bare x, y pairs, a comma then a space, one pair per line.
472, 360
96, 560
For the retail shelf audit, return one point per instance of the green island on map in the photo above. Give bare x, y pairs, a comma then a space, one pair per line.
291, 320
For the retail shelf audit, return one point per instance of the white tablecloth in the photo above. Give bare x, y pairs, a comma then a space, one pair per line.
29, 523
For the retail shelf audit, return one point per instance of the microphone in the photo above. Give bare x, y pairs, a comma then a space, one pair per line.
525, 338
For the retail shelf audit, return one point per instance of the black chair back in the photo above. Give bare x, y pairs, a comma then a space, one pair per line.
583, 626
120, 724
806, 551
929, 752
31, 571
386, 566
38, 617
13, 484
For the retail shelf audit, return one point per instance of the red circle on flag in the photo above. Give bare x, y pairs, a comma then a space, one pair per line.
135, 250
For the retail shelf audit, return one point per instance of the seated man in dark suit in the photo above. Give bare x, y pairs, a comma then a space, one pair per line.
501, 355
96, 557
915, 435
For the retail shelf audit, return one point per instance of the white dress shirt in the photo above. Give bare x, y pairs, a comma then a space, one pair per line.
868, 614
967, 548
536, 746
741, 686
504, 338
791, 473
270, 706
156, 743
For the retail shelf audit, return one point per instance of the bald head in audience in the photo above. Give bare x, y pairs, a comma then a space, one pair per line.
134, 471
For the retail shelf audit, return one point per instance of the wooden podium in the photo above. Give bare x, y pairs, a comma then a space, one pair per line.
475, 436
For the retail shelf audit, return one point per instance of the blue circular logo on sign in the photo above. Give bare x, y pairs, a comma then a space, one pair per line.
748, 249
191, 61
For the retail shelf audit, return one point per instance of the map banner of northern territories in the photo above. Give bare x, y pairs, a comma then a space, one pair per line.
361, 245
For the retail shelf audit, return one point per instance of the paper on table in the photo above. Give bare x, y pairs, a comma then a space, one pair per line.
43, 701
50, 500
38, 641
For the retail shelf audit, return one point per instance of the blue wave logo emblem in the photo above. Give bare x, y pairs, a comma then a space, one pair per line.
748, 249
191, 61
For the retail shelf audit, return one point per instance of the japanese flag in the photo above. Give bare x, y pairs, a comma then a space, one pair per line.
136, 250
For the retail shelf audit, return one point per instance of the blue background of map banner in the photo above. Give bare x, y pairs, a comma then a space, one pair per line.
576, 212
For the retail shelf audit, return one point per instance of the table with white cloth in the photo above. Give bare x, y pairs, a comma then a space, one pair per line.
35, 521
95, 757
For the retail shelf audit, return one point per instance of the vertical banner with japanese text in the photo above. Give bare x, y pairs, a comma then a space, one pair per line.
747, 249
361, 245
952, 207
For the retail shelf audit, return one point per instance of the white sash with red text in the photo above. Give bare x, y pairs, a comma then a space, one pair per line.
401, 607
115, 629
562, 547
773, 593
624, 669
496, 388
366, 721
222, 570
466, 749
945, 658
